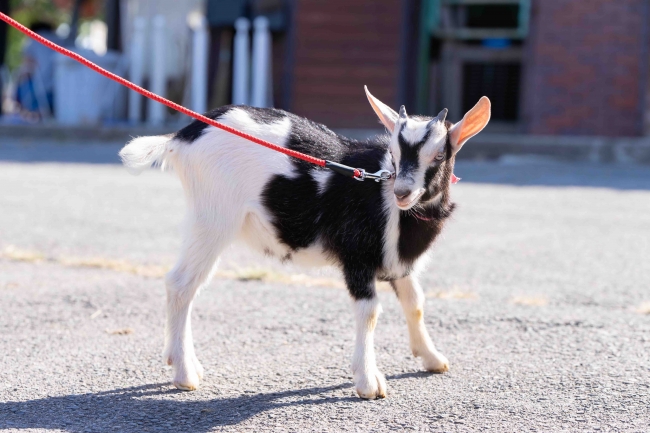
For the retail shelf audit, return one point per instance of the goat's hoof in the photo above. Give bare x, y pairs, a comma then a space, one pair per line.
187, 374
370, 386
435, 363
186, 386
188, 381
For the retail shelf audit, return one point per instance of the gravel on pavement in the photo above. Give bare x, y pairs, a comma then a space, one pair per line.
538, 294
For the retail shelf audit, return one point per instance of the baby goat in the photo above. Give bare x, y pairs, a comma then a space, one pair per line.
297, 211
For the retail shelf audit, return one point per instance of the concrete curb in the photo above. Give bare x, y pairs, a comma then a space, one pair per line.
591, 149
486, 146
81, 133
490, 146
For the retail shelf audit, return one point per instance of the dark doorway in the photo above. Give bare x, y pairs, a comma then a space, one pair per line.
498, 81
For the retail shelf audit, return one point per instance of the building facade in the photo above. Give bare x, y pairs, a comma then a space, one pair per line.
551, 67
587, 68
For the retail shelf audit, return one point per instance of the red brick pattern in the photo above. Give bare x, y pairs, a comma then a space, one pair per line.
340, 46
585, 66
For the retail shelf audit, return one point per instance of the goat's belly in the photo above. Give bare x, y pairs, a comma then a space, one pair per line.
259, 234
313, 256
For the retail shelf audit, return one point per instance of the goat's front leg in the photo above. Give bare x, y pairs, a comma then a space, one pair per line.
411, 297
368, 380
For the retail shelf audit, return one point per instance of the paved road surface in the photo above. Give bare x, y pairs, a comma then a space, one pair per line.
538, 296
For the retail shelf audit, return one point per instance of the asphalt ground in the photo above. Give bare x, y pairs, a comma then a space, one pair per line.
538, 294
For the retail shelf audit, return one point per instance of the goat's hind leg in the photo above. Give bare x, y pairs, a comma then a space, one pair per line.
203, 243
411, 297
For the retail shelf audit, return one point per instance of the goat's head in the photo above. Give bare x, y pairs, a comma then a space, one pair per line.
423, 148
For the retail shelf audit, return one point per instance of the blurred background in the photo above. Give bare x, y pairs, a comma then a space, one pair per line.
550, 67
537, 289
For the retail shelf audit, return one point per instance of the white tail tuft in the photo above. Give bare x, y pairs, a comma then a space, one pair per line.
142, 152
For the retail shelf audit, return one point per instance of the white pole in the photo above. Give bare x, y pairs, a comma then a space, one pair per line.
136, 69
261, 62
158, 73
240, 72
200, 65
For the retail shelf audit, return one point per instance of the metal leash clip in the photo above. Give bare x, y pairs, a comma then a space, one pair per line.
358, 173
377, 177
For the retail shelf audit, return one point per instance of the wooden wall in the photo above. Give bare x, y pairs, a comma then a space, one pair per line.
339, 46
587, 67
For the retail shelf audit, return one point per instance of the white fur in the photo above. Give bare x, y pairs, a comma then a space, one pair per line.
392, 261
411, 297
321, 177
223, 177
314, 255
435, 144
141, 152
259, 234
413, 132
369, 381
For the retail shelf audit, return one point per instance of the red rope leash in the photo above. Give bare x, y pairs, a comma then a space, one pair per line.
15, 24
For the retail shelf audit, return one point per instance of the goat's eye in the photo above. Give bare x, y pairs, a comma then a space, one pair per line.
440, 157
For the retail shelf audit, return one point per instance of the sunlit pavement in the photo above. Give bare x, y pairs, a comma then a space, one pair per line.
538, 293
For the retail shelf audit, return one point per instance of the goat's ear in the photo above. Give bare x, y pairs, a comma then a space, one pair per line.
473, 122
386, 115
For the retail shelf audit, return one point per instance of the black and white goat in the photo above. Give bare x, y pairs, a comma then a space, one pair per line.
304, 213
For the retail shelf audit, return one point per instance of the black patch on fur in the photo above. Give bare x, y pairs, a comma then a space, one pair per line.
195, 129
348, 217
417, 234
409, 153
266, 116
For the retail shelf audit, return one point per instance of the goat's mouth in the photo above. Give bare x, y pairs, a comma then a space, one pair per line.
410, 201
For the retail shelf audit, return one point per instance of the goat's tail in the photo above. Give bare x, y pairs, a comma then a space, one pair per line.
143, 152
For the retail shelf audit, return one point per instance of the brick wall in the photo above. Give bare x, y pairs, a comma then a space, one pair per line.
340, 45
586, 66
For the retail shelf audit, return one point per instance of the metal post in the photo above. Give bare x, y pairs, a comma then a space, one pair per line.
136, 69
261, 62
5, 9
114, 23
74, 24
240, 73
158, 75
200, 65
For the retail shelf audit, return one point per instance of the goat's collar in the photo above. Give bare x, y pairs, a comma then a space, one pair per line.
422, 217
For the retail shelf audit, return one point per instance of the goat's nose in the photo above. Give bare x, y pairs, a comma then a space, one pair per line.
402, 193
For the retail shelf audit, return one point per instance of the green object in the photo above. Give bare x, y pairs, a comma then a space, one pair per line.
521, 32
430, 26
27, 13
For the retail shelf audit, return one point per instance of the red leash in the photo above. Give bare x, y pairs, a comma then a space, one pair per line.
357, 173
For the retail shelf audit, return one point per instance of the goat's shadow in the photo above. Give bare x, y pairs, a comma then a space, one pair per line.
159, 407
